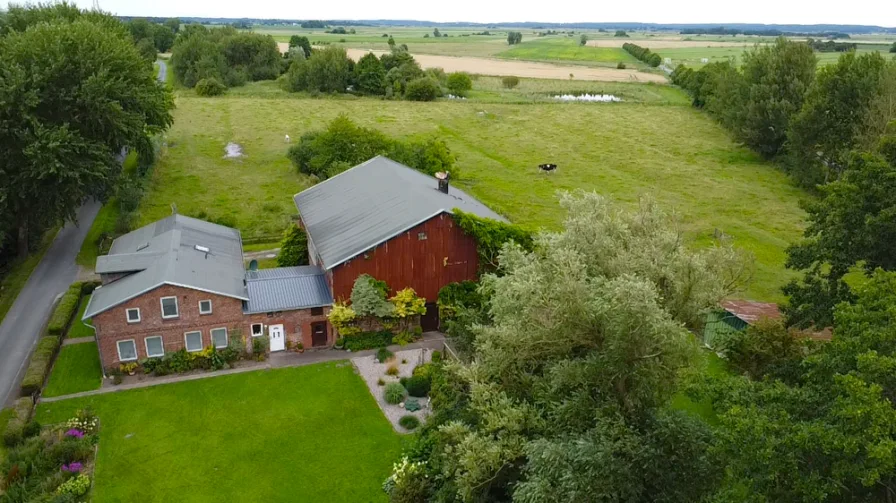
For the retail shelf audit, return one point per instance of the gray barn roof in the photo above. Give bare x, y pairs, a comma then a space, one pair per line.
165, 252
371, 203
286, 288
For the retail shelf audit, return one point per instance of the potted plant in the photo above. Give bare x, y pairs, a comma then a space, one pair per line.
340, 343
300, 347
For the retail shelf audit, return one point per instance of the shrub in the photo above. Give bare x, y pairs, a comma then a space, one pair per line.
368, 340
422, 89
409, 422
260, 348
76, 486
459, 83
436, 356
392, 370
293, 247
424, 370
39, 366
620, 66
510, 81
65, 310
394, 393
417, 386
14, 429
383, 354
380, 382
210, 87
370, 75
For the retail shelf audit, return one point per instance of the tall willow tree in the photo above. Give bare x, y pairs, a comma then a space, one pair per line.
566, 396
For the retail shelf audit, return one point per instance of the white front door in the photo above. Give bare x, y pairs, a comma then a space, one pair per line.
278, 341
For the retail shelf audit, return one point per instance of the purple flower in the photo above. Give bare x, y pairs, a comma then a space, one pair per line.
73, 467
74, 432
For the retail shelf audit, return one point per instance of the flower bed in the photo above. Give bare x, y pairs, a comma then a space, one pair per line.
53, 463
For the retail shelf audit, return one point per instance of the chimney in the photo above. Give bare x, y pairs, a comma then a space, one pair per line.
443, 177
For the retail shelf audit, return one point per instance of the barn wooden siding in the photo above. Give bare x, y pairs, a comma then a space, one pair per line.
446, 255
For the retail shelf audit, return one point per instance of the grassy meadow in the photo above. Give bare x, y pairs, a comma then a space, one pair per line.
311, 433
655, 144
568, 50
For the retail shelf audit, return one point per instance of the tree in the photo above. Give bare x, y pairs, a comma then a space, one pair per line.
63, 120
510, 81
328, 70
893, 47
173, 24
163, 37
583, 39
300, 41
293, 247
147, 50
459, 83
369, 298
852, 224
231, 56
620, 33
422, 89
514, 37
777, 78
391, 42
824, 131
436, 33
370, 74
765, 349
565, 395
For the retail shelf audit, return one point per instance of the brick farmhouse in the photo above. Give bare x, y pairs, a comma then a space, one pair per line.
181, 283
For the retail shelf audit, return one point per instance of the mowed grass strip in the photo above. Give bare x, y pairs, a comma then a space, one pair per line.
78, 328
567, 49
675, 154
305, 434
77, 369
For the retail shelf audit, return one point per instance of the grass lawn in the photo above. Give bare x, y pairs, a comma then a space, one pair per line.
309, 433
5, 416
664, 148
78, 328
77, 369
567, 49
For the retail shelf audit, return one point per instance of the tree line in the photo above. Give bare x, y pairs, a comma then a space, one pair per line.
833, 132
153, 38
643, 53
61, 137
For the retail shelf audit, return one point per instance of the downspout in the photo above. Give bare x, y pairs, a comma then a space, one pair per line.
96, 338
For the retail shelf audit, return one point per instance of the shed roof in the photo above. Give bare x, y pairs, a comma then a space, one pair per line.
369, 204
750, 311
171, 251
286, 288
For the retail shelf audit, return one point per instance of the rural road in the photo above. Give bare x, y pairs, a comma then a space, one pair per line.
22, 325
163, 70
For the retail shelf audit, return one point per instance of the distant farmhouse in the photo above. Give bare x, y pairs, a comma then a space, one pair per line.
180, 283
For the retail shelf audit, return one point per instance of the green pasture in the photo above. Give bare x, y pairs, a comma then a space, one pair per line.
567, 50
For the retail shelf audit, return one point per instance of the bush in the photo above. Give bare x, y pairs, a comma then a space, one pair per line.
510, 81
394, 393
383, 354
459, 83
380, 382
39, 366
293, 247
409, 422
14, 429
210, 87
422, 89
424, 370
65, 310
368, 340
436, 356
392, 370
620, 66
417, 386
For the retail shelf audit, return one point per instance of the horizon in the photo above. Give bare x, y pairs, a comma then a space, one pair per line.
703, 12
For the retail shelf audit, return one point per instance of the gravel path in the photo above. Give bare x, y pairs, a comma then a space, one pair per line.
371, 372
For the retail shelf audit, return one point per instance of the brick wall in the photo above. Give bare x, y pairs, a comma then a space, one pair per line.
112, 326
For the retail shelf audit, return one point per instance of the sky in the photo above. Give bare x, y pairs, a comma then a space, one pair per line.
869, 12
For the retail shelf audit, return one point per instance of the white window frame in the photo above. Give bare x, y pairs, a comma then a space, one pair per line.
146, 343
118, 348
252, 329
212, 337
127, 314
176, 308
201, 343
210, 309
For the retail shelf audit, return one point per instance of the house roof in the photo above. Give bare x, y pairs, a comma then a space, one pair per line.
750, 311
371, 203
171, 251
286, 288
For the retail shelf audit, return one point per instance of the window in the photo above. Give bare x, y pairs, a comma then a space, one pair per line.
154, 346
127, 350
134, 315
169, 307
193, 341
317, 311
219, 337
257, 329
205, 307
421, 236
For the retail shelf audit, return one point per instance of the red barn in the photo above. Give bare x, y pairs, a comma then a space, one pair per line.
394, 223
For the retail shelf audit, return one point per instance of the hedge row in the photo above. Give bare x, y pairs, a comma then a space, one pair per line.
14, 429
643, 53
368, 340
68, 306
40, 364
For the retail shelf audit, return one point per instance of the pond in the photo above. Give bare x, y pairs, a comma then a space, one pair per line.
604, 98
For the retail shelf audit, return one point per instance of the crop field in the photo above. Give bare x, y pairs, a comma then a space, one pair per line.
567, 49
653, 144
